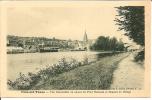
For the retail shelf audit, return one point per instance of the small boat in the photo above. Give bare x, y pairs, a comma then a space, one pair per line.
49, 49
78, 49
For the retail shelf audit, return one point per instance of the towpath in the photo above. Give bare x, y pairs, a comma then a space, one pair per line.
129, 74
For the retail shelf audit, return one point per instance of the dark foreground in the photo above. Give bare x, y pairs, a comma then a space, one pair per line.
96, 76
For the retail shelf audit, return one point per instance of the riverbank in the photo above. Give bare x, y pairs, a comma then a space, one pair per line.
98, 75
33, 62
129, 74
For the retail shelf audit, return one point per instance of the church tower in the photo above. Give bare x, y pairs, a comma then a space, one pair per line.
85, 38
85, 41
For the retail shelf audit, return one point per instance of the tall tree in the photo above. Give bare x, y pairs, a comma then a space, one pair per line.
131, 20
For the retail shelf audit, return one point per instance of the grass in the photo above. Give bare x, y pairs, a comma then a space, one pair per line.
95, 76
27, 81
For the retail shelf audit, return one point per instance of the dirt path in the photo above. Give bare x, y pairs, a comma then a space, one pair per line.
129, 74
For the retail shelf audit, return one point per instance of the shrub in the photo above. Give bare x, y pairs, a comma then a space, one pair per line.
140, 56
25, 82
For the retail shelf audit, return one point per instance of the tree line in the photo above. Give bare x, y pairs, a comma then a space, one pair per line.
108, 44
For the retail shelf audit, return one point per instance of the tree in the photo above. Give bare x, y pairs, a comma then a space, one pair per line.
131, 19
107, 44
113, 43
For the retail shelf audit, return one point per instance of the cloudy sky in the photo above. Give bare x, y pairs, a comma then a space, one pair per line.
63, 22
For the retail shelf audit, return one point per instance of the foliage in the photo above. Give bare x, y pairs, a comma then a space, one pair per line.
107, 44
131, 20
95, 76
25, 82
25, 42
31, 80
140, 56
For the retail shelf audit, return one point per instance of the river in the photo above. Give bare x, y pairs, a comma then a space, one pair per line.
33, 62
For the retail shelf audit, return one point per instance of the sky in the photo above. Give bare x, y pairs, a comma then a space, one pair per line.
63, 22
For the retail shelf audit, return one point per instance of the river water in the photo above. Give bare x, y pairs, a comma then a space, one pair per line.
33, 62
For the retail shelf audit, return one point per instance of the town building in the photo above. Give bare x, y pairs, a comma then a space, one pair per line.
34, 44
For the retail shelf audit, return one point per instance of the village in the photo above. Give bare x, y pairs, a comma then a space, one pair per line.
17, 44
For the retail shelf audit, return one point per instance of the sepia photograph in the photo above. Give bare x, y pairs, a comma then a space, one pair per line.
75, 48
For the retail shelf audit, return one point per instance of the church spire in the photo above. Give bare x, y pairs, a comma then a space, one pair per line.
85, 39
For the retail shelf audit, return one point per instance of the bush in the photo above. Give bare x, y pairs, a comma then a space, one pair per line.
140, 56
25, 82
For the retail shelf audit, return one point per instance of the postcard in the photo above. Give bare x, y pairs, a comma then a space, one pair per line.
75, 48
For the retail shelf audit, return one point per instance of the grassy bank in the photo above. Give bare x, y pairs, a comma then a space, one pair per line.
98, 75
